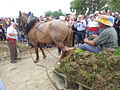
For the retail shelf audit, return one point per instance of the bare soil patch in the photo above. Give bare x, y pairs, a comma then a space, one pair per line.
25, 75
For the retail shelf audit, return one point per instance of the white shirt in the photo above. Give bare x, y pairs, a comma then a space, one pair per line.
13, 31
81, 25
0, 30
92, 23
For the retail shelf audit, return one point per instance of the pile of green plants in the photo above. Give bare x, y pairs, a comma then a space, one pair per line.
99, 71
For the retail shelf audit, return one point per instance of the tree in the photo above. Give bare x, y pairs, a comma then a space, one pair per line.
48, 13
80, 6
77, 5
115, 5
54, 14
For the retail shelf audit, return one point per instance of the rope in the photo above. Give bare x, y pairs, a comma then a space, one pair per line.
21, 50
52, 54
48, 75
46, 71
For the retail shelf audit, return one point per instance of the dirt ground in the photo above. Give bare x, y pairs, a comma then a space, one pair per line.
25, 75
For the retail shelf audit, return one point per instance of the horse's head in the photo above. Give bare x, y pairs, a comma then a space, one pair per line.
26, 21
22, 20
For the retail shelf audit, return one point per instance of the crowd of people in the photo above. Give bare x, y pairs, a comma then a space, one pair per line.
93, 32
98, 31
84, 26
4, 24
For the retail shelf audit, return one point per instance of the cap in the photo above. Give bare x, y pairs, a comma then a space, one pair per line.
14, 23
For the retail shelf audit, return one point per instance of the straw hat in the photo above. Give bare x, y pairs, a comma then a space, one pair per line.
104, 19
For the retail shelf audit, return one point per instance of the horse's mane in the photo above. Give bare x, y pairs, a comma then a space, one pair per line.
30, 25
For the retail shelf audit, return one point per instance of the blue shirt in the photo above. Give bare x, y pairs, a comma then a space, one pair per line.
2, 86
111, 19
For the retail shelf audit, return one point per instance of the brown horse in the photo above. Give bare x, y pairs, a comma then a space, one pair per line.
53, 31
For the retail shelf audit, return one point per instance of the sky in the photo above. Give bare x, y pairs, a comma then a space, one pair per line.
11, 8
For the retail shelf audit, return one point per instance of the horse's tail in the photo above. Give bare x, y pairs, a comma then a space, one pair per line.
70, 37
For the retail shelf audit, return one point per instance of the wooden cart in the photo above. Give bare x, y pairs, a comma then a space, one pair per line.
63, 84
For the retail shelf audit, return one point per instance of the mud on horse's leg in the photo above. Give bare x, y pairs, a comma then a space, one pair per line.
62, 47
64, 54
37, 54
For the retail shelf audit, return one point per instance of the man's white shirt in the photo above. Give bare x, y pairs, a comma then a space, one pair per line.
13, 31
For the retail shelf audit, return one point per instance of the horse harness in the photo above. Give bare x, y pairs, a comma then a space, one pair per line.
39, 29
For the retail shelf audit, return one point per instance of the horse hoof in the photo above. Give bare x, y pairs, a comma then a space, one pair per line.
61, 60
44, 57
35, 61
58, 63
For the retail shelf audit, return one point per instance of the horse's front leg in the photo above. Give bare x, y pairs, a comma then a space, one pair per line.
37, 54
43, 53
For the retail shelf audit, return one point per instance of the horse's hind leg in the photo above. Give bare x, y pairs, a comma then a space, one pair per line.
43, 53
62, 47
37, 54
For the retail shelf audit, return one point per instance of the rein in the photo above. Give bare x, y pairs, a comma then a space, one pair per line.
39, 29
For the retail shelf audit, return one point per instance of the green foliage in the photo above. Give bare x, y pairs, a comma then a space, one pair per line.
54, 14
97, 71
80, 6
48, 13
114, 5
78, 51
118, 51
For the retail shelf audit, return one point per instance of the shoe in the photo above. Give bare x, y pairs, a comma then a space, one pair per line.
13, 61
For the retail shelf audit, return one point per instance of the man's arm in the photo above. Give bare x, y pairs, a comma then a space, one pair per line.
93, 36
92, 43
12, 34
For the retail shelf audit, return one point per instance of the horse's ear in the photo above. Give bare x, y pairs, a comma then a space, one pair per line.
19, 13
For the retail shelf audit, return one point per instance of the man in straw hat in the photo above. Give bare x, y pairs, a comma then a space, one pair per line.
106, 39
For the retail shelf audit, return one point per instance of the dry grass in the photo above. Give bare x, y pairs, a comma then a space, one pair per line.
4, 46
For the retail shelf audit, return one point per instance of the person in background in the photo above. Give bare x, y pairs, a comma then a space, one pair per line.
81, 29
97, 14
12, 37
2, 85
109, 13
116, 15
1, 38
106, 39
92, 26
2, 32
117, 28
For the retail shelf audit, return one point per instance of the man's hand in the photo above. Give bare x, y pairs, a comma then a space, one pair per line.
89, 42
86, 40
